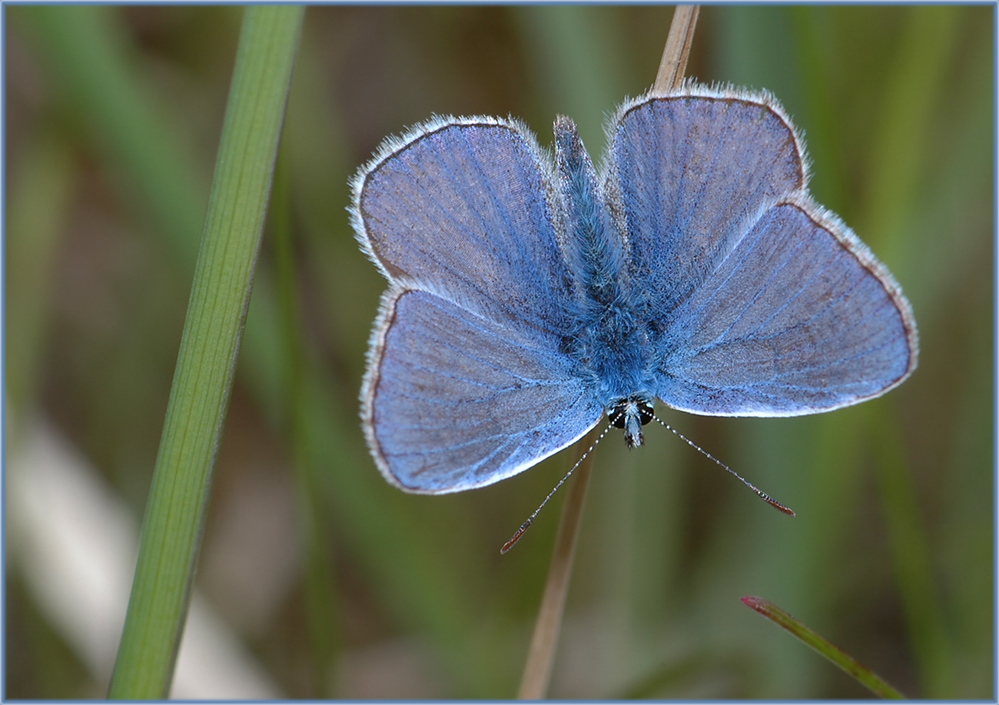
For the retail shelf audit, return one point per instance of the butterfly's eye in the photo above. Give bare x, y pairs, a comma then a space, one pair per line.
631, 414
615, 414
634, 406
645, 411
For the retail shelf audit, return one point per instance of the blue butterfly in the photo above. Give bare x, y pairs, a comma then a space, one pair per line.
529, 296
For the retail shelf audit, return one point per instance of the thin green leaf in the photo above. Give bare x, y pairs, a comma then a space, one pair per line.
199, 399
860, 672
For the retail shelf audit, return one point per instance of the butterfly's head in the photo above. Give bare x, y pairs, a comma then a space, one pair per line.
631, 413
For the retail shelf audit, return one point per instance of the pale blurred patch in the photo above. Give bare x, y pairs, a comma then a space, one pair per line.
75, 544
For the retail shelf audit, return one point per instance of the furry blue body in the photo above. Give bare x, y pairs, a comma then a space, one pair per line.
611, 339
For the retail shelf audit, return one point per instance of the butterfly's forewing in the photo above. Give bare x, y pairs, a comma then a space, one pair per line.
466, 381
461, 207
686, 173
780, 310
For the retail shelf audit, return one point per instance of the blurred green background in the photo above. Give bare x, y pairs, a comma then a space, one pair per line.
337, 585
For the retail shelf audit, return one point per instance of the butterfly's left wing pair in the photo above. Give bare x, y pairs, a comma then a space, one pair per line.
766, 304
466, 384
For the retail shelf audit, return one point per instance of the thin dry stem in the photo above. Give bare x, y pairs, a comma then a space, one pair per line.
541, 656
674, 61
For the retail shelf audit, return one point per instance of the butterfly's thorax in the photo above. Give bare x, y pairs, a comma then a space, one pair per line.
610, 341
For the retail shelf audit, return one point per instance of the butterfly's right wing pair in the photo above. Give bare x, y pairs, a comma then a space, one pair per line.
466, 384
765, 303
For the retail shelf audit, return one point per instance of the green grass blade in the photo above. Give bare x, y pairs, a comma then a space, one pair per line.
862, 673
203, 379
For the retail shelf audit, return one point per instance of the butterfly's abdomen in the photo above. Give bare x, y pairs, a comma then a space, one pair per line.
610, 343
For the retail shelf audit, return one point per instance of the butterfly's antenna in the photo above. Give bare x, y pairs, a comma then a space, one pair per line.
530, 520
763, 495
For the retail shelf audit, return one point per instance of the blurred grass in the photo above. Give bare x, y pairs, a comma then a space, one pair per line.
897, 108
